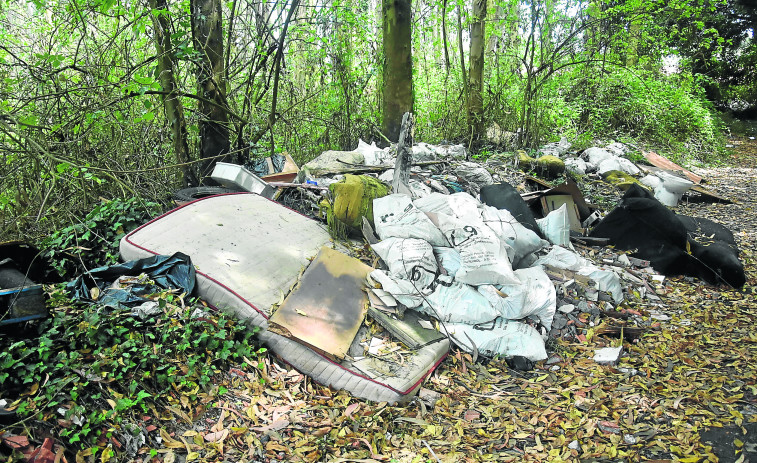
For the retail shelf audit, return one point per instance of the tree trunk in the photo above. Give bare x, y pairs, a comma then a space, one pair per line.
207, 35
171, 102
476, 75
398, 65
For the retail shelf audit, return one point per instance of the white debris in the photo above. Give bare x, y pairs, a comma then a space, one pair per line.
608, 355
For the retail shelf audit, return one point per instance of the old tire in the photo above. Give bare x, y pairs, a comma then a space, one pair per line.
187, 195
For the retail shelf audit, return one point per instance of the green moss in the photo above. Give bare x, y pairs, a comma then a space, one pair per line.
550, 166
621, 179
352, 200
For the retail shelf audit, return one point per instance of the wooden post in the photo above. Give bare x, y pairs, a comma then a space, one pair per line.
401, 180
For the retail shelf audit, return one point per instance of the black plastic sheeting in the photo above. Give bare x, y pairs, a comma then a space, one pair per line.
166, 272
673, 244
505, 196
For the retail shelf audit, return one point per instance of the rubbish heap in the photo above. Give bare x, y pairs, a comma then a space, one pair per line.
494, 259
491, 281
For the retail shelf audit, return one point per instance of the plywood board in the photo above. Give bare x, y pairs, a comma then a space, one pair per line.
328, 305
663, 163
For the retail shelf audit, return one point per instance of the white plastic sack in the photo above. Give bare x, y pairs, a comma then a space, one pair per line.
609, 164
576, 165
373, 155
387, 176
556, 226
508, 339
453, 151
628, 167
618, 149
534, 295
453, 302
607, 280
519, 240
396, 217
423, 152
474, 173
408, 259
459, 205
418, 190
556, 149
483, 257
403, 290
449, 259
596, 155
565, 259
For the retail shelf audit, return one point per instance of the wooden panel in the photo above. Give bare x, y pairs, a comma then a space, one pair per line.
328, 306
659, 161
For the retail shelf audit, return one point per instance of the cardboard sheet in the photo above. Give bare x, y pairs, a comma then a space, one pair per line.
328, 306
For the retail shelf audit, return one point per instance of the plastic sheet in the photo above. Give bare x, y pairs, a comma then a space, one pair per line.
166, 272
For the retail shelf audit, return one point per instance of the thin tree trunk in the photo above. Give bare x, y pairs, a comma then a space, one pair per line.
279, 57
171, 102
398, 65
444, 37
476, 76
207, 35
463, 76
276, 70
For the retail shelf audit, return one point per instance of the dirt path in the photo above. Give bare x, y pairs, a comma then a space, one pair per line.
735, 443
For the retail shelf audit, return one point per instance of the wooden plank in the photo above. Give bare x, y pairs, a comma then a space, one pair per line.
710, 194
663, 163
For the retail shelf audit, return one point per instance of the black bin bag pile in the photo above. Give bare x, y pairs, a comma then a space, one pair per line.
674, 244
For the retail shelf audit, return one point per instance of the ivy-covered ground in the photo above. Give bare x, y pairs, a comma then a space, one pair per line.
683, 392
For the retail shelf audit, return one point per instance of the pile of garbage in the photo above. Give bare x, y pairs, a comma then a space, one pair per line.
497, 278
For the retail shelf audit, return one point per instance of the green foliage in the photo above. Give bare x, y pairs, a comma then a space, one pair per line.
95, 369
664, 111
94, 241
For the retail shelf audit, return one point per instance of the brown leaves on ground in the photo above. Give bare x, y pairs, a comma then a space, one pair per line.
698, 370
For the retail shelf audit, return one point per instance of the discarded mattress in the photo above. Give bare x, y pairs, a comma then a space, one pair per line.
674, 245
248, 251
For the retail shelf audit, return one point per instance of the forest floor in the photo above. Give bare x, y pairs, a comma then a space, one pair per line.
685, 392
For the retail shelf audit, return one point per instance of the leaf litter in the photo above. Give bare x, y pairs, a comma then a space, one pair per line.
689, 367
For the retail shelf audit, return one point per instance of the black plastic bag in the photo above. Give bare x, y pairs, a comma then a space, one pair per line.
167, 272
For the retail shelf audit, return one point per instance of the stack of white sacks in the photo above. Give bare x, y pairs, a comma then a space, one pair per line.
474, 268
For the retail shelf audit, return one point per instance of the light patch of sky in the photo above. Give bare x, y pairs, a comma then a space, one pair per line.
671, 64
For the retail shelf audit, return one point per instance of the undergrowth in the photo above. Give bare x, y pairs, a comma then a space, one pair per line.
87, 374
94, 241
